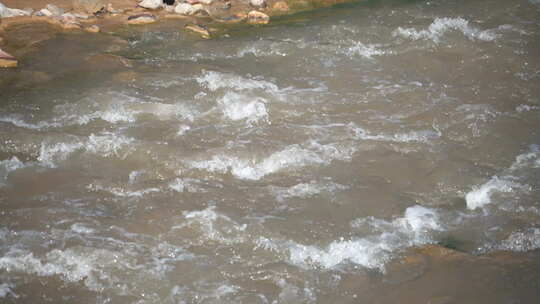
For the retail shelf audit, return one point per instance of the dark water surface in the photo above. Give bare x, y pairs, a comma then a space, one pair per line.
299, 162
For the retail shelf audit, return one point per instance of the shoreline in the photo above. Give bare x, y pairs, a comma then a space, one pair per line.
17, 32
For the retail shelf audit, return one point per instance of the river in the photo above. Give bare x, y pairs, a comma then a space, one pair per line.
290, 163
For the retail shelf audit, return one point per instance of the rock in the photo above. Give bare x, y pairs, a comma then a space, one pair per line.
89, 6
44, 13
188, 9
151, 4
258, 3
55, 10
6, 12
281, 6
256, 17
141, 19
7, 61
92, 29
199, 29
184, 9
207, 2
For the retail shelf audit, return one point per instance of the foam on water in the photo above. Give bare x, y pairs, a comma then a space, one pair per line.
441, 26
7, 166
216, 80
293, 156
212, 226
424, 136
72, 265
357, 48
21, 123
6, 289
415, 228
481, 195
123, 192
240, 107
186, 185
306, 190
106, 145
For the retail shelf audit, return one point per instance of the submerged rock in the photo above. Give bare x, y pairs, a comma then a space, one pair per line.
256, 17
7, 61
199, 29
141, 19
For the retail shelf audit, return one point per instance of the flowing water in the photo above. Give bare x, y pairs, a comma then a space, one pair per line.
291, 163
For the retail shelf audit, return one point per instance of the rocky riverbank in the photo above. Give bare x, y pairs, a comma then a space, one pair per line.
20, 20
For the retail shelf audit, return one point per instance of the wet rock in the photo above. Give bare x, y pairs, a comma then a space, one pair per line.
256, 17
258, 3
55, 10
281, 6
141, 19
151, 4
92, 29
89, 6
7, 61
6, 12
199, 29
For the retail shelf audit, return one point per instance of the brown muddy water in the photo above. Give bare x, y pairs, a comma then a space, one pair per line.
300, 162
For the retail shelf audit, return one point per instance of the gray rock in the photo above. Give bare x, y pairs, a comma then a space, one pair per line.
6, 12
55, 10
185, 9
89, 6
151, 4
44, 13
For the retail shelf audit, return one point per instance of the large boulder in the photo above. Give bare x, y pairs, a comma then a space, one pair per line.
89, 6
